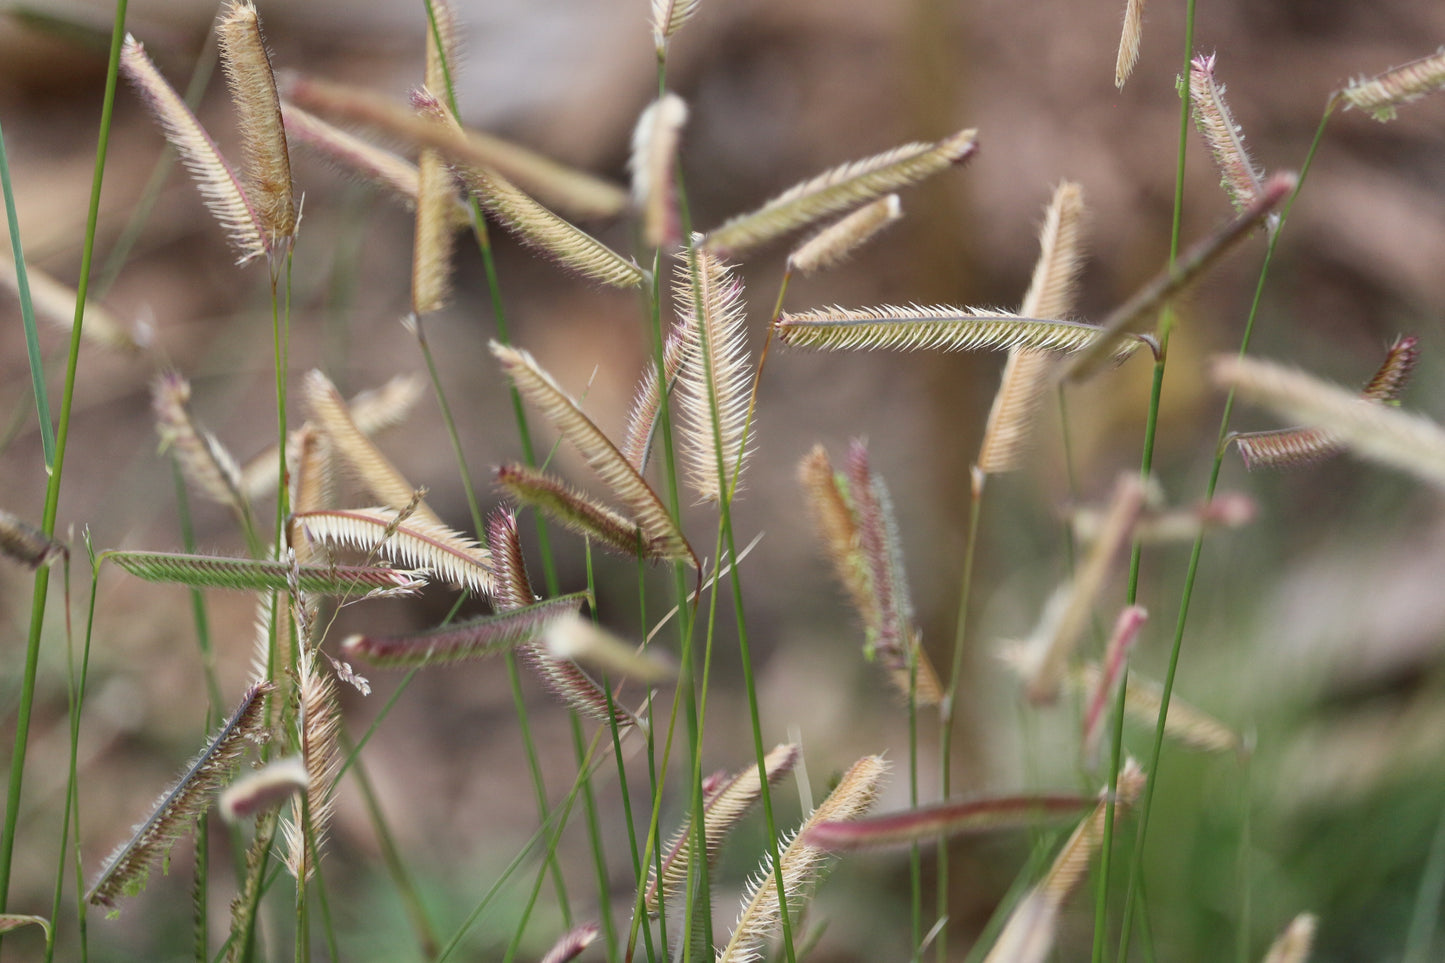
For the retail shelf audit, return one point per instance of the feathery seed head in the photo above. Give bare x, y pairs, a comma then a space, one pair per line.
1382, 94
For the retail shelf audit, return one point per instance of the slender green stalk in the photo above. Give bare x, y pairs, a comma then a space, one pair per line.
1426, 917
52, 488
946, 710
1146, 803
27, 314
1166, 325
75, 678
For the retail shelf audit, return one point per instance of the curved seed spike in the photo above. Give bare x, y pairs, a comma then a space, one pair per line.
1188, 725
1241, 179
725, 807
220, 189
716, 376
263, 789
955, 818
835, 243
353, 156
1389, 382
601, 455
54, 303
318, 724
802, 865
1381, 94
471, 639
668, 16
914, 327
212, 571
449, 555
206, 464
1129, 38
651, 390
574, 510
513, 586
27, 544
1051, 294
124, 873
654, 159
258, 109
572, 943
1374, 431
838, 190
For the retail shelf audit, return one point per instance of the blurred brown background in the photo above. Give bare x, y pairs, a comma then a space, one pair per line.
1318, 630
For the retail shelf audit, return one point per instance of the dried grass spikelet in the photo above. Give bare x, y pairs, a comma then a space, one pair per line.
601, 455
571, 944
654, 156
530, 222
668, 16
1409, 442
838, 190
372, 411
1051, 294
571, 191
1028, 935
723, 808
420, 544
1169, 283
1187, 725
267, 164
1383, 93
562, 678
262, 789
802, 865
914, 327
318, 727
125, 871
54, 303
835, 243
713, 383
1067, 613
1300, 447
945, 819
1129, 38
10, 922
204, 461
276, 640
854, 520
431, 261
252, 574
572, 638
512, 588
573, 510
825, 493
1241, 180
1293, 945
220, 189
27, 544
652, 390
469, 639
374, 469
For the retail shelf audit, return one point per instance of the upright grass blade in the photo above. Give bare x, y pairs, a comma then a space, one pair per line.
52, 488
27, 314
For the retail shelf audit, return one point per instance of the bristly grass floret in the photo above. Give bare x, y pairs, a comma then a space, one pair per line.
1241, 180
803, 865
1385, 92
125, 872
250, 574
220, 188
1300, 447
469, 639
449, 555
267, 167
716, 375
838, 190
27, 544
951, 818
602, 456
574, 510
653, 164
914, 327
318, 726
